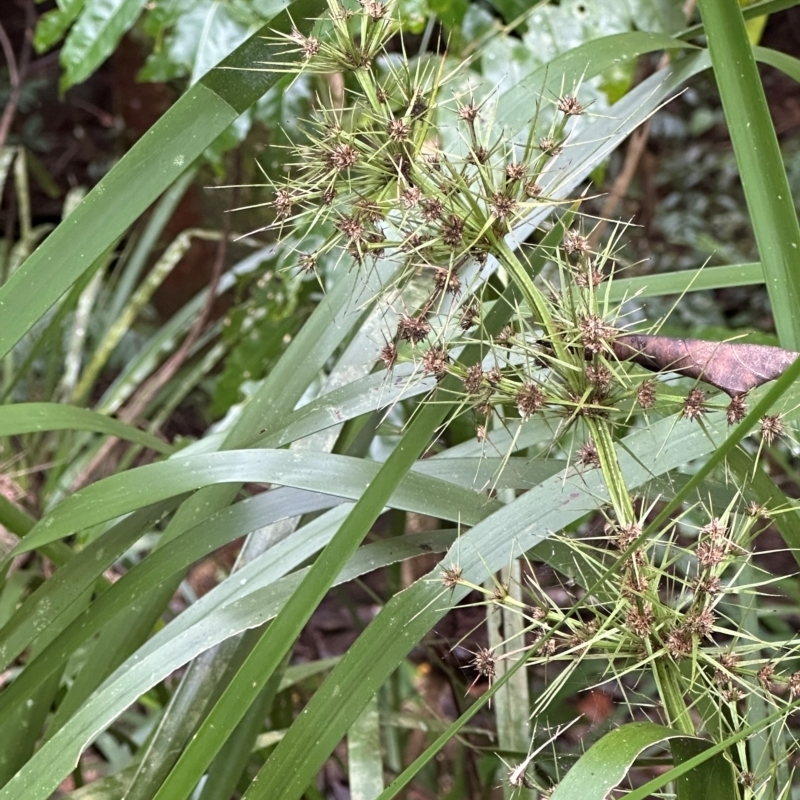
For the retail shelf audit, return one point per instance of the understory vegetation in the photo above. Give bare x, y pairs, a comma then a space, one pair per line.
437, 487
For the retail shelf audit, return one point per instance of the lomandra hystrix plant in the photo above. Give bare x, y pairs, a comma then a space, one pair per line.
667, 612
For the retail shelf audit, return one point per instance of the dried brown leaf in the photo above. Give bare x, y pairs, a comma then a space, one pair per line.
733, 368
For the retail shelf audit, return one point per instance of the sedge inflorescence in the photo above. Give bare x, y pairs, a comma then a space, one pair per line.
512, 325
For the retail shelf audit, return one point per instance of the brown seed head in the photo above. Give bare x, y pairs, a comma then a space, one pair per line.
342, 157
309, 46
736, 410
641, 622
707, 585
679, 644
530, 399
419, 107
283, 203
451, 576
480, 155
398, 130
569, 106
484, 663
575, 242
596, 334
771, 427
307, 262
794, 686
389, 355
494, 376
473, 380
373, 9
588, 455
627, 534
694, 406
453, 231
470, 314
446, 281
765, 675
701, 622
432, 210
550, 147
434, 362
599, 376
532, 189
503, 205
516, 171
469, 112
646, 394
351, 226
505, 336
410, 197
716, 529
413, 329
710, 553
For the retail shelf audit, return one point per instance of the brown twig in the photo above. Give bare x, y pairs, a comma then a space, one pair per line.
17, 69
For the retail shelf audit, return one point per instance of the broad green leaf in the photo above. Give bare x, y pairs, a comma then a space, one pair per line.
606, 763
687, 280
147, 170
52, 25
94, 36
342, 476
685, 767
36, 417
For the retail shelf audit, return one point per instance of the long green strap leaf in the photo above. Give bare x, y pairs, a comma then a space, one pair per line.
149, 168
758, 156
38, 417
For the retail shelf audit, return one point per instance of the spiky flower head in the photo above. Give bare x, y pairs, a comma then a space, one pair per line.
530, 399
451, 576
503, 205
516, 171
446, 280
470, 315
453, 231
342, 157
549, 146
588, 455
485, 663
771, 427
575, 242
694, 406
570, 106
410, 197
469, 112
596, 334
736, 410
398, 130
473, 380
646, 394
434, 362
413, 329
388, 355
641, 622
